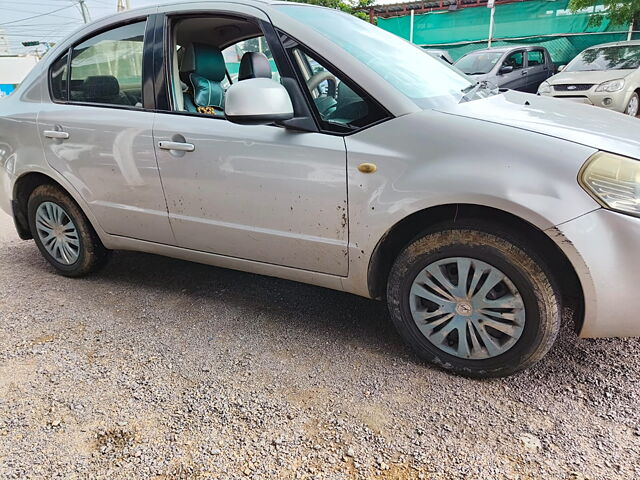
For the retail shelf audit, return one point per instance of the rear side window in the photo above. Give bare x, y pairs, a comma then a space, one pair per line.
107, 69
536, 57
58, 79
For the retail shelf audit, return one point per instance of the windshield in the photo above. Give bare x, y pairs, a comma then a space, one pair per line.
427, 81
606, 58
478, 63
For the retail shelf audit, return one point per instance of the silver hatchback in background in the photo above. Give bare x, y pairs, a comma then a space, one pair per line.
606, 75
334, 154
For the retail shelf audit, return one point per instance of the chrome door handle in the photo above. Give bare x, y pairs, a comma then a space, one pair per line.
57, 134
178, 146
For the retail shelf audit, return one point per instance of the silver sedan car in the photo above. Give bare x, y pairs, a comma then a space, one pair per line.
606, 75
368, 167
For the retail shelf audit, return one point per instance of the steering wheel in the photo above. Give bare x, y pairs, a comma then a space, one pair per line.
320, 77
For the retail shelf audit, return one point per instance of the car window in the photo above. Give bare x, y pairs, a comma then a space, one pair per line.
58, 79
535, 57
478, 63
618, 57
107, 68
515, 60
339, 107
233, 55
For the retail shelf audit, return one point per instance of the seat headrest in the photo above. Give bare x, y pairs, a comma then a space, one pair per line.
101, 87
204, 60
254, 65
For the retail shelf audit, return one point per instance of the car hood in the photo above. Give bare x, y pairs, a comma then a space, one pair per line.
595, 77
583, 124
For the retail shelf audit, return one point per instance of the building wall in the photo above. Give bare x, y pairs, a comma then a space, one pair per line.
13, 69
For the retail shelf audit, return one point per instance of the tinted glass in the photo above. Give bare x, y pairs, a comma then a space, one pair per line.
58, 79
606, 58
337, 104
407, 68
535, 57
478, 63
107, 68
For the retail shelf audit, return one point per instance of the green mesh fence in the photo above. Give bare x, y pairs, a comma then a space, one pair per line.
546, 23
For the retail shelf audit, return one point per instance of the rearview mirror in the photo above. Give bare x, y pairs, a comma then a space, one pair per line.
257, 101
561, 67
505, 69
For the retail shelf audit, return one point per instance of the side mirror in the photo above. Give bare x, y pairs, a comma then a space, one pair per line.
561, 67
505, 69
257, 101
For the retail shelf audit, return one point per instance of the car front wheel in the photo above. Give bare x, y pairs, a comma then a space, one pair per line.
633, 106
63, 234
474, 300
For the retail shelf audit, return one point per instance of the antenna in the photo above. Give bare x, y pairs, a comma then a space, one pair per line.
123, 5
84, 10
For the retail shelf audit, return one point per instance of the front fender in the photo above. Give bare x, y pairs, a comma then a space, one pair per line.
430, 159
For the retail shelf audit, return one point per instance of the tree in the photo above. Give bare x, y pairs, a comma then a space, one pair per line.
353, 7
618, 12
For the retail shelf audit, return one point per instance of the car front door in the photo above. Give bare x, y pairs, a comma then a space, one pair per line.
537, 69
515, 79
262, 193
97, 134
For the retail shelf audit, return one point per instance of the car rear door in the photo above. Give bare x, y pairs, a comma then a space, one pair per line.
96, 130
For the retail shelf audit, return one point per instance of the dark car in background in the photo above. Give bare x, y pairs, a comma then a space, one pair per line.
521, 68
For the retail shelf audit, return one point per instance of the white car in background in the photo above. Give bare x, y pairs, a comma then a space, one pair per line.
606, 75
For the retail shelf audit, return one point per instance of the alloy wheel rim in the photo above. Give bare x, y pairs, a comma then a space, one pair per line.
58, 233
467, 308
632, 108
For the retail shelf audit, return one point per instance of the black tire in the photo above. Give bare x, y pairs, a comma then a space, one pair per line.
500, 248
92, 254
637, 98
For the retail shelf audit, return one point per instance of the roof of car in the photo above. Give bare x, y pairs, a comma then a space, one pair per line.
174, 3
506, 48
617, 44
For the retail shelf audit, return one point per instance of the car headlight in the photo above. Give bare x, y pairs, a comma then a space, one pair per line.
611, 86
614, 181
544, 88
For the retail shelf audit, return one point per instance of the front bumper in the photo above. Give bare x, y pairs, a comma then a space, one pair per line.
616, 101
602, 246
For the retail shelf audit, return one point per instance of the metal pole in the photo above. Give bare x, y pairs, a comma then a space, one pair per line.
86, 17
123, 5
493, 11
411, 27
630, 34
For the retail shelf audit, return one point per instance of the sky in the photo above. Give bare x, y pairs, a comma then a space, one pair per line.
50, 20
53, 20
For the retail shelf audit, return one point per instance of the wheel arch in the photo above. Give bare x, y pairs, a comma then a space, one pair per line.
404, 231
24, 186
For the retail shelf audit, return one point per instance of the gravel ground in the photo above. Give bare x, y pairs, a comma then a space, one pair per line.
163, 369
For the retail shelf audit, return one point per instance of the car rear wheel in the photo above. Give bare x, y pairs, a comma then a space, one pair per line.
633, 106
63, 234
474, 300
